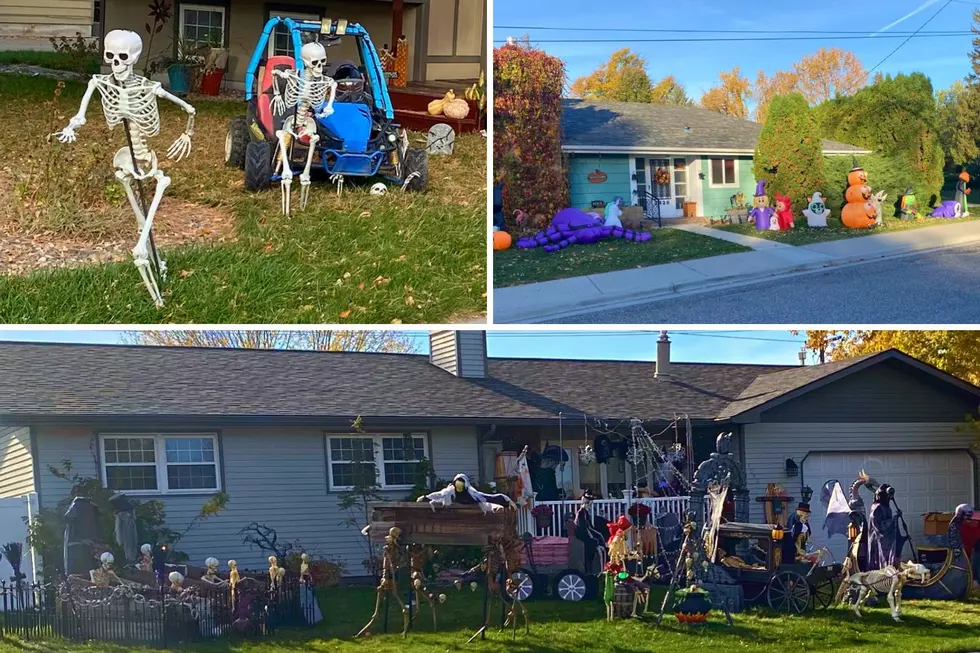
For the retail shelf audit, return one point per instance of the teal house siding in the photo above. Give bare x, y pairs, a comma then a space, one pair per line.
717, 200
617, 184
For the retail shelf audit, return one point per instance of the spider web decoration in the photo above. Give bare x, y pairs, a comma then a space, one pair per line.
717, 493
656, 461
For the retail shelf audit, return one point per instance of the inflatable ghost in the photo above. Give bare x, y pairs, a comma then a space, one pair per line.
816, 212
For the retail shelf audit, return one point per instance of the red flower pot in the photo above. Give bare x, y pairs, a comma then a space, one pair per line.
211, 82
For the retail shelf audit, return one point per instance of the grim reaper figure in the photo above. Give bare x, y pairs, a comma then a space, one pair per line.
131, 100
885, 541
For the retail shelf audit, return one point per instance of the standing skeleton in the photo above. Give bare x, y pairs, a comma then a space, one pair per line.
130, 99
305, 94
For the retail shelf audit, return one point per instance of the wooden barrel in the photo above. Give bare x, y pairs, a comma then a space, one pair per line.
505, 465
623, 600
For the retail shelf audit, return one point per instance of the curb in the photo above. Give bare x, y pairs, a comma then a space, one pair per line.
624, 299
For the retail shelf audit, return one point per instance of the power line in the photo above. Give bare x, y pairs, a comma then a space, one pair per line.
756, 39
643, 334
909, 38
718, 31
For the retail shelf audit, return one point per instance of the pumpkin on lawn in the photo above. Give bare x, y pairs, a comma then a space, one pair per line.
501, 240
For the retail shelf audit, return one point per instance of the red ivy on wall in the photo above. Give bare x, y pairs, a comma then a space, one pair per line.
527, 157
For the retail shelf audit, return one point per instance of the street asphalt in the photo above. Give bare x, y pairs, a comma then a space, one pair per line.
937, 287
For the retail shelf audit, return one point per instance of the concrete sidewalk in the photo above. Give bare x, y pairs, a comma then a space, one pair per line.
551, 299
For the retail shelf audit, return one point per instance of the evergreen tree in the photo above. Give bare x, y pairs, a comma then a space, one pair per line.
789, 154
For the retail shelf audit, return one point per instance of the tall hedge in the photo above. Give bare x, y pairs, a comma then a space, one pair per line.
789, 154
527, 157
891, 174
896, 117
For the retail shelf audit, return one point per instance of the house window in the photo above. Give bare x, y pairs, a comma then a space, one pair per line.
202, 25
160, 462
724, 172
281, 41
394, 461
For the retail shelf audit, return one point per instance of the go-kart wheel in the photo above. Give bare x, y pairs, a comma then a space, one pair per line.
570, 585
416, 166
236, 140
524, 582
258, 165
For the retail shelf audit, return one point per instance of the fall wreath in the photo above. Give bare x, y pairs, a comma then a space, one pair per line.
661, 177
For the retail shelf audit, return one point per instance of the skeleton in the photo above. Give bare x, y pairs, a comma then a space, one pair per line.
131, 100
305, 94
888, 581
390, 563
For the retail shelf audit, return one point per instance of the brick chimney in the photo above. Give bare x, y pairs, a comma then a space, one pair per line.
461, 353
663, 355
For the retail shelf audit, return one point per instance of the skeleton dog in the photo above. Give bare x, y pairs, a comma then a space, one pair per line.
887, 581
130, 99
305, 94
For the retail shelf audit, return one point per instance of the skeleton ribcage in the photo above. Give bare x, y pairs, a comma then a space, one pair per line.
305, 92
135, 102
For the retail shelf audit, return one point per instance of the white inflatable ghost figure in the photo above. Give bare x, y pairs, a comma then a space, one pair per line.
131, 100
816, 213
614, 213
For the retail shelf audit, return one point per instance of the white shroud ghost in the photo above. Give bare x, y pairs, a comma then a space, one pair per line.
817, 212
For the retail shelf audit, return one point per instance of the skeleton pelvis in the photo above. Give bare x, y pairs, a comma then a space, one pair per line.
123, 160
302, 127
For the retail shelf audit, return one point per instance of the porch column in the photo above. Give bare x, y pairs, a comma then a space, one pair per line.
397, 20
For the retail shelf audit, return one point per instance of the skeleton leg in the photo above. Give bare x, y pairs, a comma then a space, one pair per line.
287, 173
304, 179
140, 252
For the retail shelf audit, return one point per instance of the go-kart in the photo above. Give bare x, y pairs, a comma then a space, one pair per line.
358, 138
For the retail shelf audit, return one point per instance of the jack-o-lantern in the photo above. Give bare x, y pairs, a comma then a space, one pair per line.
858, 193
861, 210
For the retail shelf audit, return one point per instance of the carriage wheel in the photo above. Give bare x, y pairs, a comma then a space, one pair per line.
788, 592
824, 594
570, 586
524, 581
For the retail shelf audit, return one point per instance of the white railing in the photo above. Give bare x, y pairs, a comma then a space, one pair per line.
609, 509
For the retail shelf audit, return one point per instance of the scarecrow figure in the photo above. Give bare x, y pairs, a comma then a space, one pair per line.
885, 541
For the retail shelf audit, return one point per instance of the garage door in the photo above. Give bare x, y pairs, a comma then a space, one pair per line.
924, 481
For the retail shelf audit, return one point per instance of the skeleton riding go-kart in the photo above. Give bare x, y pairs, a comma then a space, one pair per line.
300, 108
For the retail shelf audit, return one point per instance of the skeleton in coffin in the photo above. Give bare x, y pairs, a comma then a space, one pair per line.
461, 491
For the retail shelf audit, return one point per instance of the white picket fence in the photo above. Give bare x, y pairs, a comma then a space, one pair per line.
609, 509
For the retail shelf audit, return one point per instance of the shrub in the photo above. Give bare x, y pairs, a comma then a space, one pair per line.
888, 173
898, 118
527, 85
789, 154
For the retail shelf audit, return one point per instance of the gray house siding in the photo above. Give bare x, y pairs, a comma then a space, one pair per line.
463, 353
443, 351
277, 477
16, 462
887, 392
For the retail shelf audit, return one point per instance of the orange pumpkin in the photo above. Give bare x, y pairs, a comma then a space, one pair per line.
859, 194
501, 240
965, 176
857, 177
858, 216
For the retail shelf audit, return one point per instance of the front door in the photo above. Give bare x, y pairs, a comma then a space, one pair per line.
663, 180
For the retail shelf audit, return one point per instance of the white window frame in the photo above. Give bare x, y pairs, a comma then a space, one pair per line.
270, 50
160, 454
212, 8
378, 449
711, 172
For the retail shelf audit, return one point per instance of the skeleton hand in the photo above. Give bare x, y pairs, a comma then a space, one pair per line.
180, 147
326, 113
278, 104
67, 135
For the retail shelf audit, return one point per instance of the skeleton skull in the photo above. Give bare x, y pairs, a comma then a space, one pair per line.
314, 57
122, 49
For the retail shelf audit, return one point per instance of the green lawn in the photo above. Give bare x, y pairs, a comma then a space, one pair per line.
54, 60
515, 266
928, 627
357, 258
835, 230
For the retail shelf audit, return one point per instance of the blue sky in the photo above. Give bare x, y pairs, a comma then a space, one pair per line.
779, 347
696, 65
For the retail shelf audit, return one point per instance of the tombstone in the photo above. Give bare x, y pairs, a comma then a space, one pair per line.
81, 531
125, 526
441, 139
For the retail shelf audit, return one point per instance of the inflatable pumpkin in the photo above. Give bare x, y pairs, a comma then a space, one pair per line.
501, 240
857, 176
858, 193
861, 210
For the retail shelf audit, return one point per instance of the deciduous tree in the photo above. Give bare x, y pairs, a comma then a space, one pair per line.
782, 82
669, 91
829, 73
730, 96
958, 123
323, 340
621, 79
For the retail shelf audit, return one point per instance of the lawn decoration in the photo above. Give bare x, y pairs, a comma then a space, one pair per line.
211, 575
571, 226
885, 539
863, 209
451, 520
614, 213
888, 581
946, 209
951, 572
81, 533
104, 575
125, 525
234, 577
305, 96
694, 605
276, 573
784, 213
378, 189
441, 139
775, 504
146, 559
816, 212
176, 582
501, 240
909, 206
622, 592
390, 561
761, 212
131, 100
461, 491
962, 190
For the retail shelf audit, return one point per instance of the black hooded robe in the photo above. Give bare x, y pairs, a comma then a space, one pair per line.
885, 542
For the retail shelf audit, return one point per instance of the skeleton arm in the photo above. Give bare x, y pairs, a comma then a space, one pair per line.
182, 146
67, 135
328, 110
278, 104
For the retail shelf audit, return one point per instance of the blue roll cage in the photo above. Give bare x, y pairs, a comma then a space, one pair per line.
369, 55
